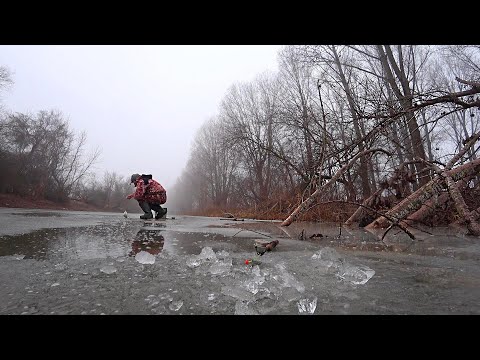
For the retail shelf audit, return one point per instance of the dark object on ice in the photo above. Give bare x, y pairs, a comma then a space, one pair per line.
315, 236
252, 262
262, 247
301, 236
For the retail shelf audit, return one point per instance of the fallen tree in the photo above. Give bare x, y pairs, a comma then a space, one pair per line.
447, 182
446, 179
321, 189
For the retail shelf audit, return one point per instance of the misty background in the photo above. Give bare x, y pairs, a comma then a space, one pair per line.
141, 105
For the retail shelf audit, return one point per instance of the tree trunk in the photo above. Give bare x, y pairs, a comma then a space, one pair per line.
360, 212
366, 191
320, 190
419, 197
431, 205
462, 209
405, 100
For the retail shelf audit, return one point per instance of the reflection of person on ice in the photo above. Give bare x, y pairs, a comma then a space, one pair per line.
150, 241
150, 195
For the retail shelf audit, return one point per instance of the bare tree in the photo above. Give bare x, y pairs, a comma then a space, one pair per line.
329, 55
249, 112
5, 79
50, 156
312, 129
213, 164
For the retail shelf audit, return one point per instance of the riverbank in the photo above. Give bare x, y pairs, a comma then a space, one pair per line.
15, 201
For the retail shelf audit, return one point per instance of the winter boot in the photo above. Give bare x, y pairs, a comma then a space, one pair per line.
160, 212
146, 209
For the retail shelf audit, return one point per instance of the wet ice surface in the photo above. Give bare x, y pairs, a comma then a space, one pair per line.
89, 263
330, 259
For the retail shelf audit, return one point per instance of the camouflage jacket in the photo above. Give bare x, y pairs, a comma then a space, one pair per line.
153, 192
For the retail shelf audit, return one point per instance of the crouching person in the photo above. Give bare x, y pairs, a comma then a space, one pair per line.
149, 194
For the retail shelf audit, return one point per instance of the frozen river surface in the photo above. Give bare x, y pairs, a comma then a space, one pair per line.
66, 262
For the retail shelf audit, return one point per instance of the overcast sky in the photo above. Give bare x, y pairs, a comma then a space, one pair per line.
140, 104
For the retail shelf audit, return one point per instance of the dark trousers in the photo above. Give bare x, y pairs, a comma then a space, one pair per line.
148, 207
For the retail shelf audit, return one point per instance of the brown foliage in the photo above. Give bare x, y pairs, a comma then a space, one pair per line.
279, 208
16, 201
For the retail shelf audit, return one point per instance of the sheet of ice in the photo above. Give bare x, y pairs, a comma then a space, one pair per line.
222, 254
287, 279
242, 308
254, 284
176, 305
206, 255
221, 267
108, 269
355, 274
237, 292
144, 257
327, 257
251, 286
307, 306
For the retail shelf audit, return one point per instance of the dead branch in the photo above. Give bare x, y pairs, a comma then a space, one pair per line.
446, 178
429, 207
415, 200
393, 221
467, 82
306, 203
369, 201
456, 196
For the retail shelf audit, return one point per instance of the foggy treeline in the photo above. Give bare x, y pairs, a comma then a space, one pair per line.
42, 158
386, 114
